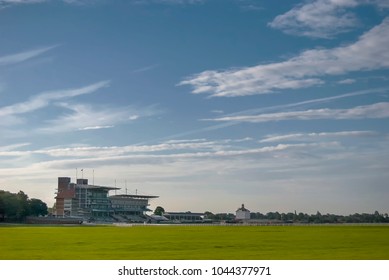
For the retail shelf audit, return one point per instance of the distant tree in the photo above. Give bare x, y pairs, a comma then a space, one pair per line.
224, 217
159, 211
257, 215
23, 205
17, 206
2, 208
10, 205
301, 217
209, 215
288, 216
37, 207
318, 218
273, 216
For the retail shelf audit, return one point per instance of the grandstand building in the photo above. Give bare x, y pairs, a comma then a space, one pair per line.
184, 217
92, 202
130, 208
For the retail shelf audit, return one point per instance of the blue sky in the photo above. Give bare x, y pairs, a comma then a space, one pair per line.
280, 105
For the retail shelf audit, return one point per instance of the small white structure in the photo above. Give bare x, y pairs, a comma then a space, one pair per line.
242, 213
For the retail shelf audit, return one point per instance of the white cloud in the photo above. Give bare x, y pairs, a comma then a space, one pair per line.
93, 117
22, 56
171, 150
133, 117
8, 3
13, 147
305, 136
44, 99
377, 110
180, 2
346, 81
85, 117
370, 52
322, 18
13, 2
96, 127
152, 154
146, 68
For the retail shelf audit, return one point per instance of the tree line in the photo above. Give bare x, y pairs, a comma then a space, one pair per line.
15, 207
291, 217
318, 218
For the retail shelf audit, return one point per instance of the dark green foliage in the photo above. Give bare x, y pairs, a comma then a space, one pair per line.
319, 218
159, 211
16, 207
37, 207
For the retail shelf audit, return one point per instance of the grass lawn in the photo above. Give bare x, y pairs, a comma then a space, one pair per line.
194, 242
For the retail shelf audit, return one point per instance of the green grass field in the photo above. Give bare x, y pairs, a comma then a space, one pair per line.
194, 242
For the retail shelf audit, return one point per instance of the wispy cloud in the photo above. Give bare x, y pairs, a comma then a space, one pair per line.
347, 81
315, 135
104, 151
154, 154
96, 127
93, 117
5, 3
274, 108
373, 111
322, 18
250, 5
305, 70
146, 68
172, 2
9, 3
44, 99
22, 56
13, 147
85, 117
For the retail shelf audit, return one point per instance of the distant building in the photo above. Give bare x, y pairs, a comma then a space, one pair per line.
130, 207
242, 213
93, 202
184, 217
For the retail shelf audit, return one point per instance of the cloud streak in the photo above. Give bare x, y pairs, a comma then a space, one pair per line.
171, 2
9, 3
373, 111
315, 135
86, 117
23, 56
369, 52
153, 154
44, 99
83, 117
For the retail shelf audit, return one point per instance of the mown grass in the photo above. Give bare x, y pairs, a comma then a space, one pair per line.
194, 242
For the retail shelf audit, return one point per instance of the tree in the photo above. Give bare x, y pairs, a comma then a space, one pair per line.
17, 206
37, 207
2, 208
209, 215
159, 211
23, 205
10, 205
